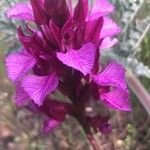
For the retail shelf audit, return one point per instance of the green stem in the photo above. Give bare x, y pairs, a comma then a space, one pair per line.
139, 90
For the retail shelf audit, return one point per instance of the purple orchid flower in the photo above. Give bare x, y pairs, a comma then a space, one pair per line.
61, 52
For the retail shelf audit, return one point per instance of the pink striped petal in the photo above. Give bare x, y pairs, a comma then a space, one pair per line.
82, 59
38, 87
117, 99
18, 64
100, 8
110, 28
108, 43
113, 75
22, 11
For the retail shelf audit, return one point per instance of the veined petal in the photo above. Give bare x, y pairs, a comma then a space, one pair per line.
38, 87
21, 96
22, 11
117, 99
49, 125
108, 42
18, 64
100, 8
113, 75
82, 59
110, 28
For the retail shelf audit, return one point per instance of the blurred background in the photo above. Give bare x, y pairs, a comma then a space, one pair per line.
20, 129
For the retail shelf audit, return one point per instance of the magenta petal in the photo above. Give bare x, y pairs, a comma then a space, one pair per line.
108, 43
117, 99
110, 28
100, 8
18, 64
38, 87
22, 11
49, 125
21, 96
82, 59
113, 75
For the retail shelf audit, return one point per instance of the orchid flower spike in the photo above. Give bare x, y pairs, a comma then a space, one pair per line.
61, 52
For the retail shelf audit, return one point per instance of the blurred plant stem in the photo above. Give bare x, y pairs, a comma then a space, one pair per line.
133, 16
93, 142
91, 138
89, 134
139, 90
138, 44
